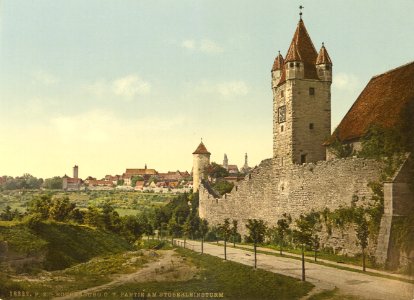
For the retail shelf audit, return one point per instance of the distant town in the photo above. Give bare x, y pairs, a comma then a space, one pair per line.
133, 179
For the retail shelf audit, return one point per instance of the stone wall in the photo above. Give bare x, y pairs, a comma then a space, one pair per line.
271, 190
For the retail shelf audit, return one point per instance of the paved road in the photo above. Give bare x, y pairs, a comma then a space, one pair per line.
323, 277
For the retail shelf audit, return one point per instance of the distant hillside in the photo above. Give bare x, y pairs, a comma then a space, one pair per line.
55, 246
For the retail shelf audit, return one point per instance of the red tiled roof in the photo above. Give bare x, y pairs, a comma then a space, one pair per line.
278, 64
301, 48
131, 172
381, 103
201, 149
323, 57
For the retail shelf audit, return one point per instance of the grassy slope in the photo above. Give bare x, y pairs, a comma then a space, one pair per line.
234, 280
64, 244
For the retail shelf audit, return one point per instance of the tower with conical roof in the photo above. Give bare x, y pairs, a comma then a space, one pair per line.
201, 161
301, 84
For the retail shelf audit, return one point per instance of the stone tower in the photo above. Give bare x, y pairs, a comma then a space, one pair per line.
225, 162
201, 160
75, 171
301, 84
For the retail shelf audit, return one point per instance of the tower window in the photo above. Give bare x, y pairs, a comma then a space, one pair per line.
282, 93
310, 125
311, 91
303, 159
297, 64
327, 67
281, 128
291, 65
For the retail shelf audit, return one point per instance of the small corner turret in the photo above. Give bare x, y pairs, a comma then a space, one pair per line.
324, 65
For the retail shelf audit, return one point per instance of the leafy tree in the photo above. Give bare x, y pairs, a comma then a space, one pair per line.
222, 186
303, 236
131, 228
225, 231
61, 209
120, 182
54, 183
134, 180
110, 218
7, 214
234, 232
40, 205
186, 229
362, 233
174, 228
340, 149
216, 171
257, 231
203, 231
313, 219
282, 229
93, 217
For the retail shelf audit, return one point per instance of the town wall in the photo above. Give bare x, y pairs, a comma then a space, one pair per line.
272, 190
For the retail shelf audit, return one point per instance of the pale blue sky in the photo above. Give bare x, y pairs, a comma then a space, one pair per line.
116, 84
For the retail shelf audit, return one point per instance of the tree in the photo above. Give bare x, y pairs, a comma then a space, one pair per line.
186, 229
7, 214
134, 180
93, 217
314, 221
131, 228
222, 186
110, 218
54, 183
282, 229
215, 171
257, 231
362, 233
303, 236
225, 232
203, 231
174, 228
234, 232
40, 205
61, 209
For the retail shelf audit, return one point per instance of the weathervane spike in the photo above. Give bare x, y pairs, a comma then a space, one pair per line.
300, 13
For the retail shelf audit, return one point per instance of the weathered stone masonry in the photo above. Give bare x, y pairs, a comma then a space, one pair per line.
270, 190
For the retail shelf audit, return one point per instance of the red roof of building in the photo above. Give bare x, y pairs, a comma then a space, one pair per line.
381, 103
201, 149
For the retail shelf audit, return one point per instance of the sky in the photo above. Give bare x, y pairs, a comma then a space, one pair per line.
110, 85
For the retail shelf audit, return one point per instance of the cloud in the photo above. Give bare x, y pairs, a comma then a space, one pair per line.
346, 82
188, 44
102, 126
127, 87
225, 89
233, 88
204, 46
45, 78
130, 86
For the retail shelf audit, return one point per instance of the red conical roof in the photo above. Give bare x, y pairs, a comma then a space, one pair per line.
278, 64
302, 49
201, 149
323, 57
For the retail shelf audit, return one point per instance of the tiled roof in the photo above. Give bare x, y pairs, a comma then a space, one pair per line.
381, 103
301, 48
201, 149
278, 64
140, 172
323, 57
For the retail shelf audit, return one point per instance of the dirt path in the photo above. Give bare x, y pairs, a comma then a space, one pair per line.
169, 267
360, 285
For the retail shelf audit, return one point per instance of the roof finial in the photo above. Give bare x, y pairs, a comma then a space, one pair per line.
323, 44
201, 140
300, 14
279, 52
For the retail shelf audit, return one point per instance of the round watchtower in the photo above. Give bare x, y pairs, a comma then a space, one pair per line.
201, 161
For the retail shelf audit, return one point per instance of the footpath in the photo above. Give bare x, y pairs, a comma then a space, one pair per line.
368, 285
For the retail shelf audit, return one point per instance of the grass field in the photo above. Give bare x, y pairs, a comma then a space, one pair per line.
232, 280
